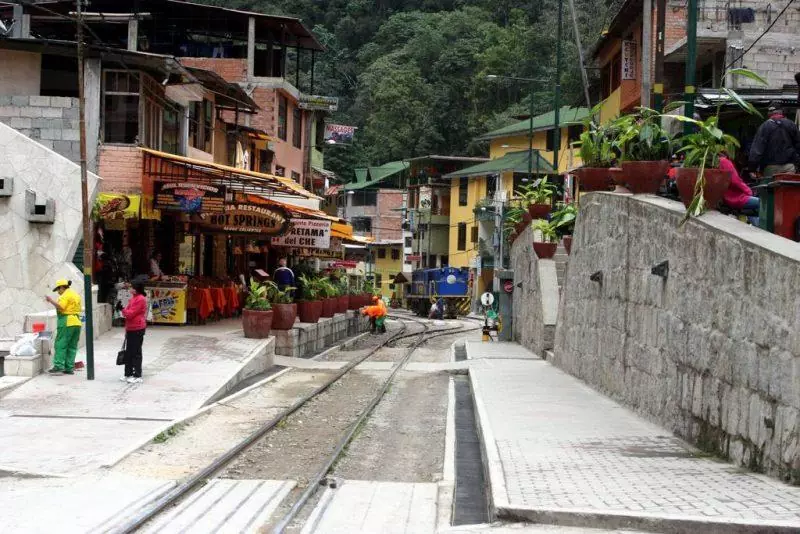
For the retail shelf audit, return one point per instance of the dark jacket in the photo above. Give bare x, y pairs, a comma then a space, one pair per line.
777, 142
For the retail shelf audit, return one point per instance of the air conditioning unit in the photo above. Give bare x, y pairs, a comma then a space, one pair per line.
6, 186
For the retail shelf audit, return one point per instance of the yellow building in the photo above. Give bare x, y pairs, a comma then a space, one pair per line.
387, 261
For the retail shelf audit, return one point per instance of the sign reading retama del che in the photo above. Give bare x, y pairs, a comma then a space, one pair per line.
306, 233
250, 219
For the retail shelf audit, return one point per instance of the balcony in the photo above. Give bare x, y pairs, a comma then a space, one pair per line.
484, 210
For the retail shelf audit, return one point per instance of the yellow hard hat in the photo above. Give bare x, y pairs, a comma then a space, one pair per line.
60, 283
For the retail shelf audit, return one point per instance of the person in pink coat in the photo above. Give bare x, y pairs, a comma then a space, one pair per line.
135, 314
738, 196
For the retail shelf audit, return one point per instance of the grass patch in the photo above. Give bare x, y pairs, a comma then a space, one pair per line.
168, 433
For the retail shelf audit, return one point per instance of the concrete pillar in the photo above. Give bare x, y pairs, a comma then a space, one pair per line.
183, 143
251, 47
92, 77
133, 35
18, 14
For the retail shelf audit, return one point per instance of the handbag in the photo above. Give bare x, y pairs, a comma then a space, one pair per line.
121, 354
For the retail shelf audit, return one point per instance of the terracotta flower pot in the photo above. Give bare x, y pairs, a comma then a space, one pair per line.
594, 179
717, 182
787, 177
309, 311
367, 299
329, 307
283, 316
353, 302
644, 176
618, 181
568, 243
526, 217
342, 303
539, 211
256, 323
544, 251
520, 227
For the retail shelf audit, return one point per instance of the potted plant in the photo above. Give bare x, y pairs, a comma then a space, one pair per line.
257, 312
537, 197
546, 248
354, 298
513, 225
645, 148
564, 221
283, 309
309, 306
596, 149
329, 295
343, 299
367, 291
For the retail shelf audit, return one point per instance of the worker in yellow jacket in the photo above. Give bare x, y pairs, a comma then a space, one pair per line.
377, 315
69, 307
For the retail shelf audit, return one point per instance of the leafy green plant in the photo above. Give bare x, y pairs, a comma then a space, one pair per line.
539, 192
564, 218
276, 295
310, 287
596, 142
547, 229
258, 297
368, 287
640, 136
327, 288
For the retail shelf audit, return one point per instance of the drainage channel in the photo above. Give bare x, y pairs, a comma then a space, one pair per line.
471, 504
461, 352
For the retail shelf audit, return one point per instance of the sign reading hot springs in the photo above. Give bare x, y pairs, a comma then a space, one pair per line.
246, 219
306, 233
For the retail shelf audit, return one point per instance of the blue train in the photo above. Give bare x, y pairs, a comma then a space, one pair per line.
452, 284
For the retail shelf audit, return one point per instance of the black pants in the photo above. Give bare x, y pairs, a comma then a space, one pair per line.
133, 353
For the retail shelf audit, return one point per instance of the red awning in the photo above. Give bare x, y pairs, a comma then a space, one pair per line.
333, 190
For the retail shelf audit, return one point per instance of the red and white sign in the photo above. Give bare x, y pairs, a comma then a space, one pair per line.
344, 264
413, 257
508, 286
305, 233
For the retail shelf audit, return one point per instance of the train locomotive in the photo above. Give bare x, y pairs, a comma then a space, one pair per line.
449, 283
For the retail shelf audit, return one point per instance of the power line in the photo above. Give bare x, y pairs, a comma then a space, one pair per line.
762, 35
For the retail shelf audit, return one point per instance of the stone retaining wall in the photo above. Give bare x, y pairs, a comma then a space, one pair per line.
306, 339
712, 351
52, 121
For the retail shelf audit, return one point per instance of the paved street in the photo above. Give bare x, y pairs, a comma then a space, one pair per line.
57, 417
560, 452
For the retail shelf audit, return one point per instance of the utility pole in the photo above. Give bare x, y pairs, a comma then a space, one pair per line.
647, 51
557, 98
658, 87
87, 231
691, 62
530, 140
584, 76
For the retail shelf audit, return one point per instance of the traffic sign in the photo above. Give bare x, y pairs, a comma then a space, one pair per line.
508, 286
487, 299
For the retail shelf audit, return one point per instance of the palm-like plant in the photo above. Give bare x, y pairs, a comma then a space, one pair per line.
310, 288
596, 142
640, 136
258, 297
539, 192
548, 230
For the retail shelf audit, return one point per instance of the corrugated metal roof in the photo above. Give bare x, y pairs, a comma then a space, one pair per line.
545, 121
513, 161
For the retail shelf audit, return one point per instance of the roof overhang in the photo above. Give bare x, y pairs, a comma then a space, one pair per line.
227, 95
708, 43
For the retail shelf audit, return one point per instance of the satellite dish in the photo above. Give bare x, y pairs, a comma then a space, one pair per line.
487, 299
451, 279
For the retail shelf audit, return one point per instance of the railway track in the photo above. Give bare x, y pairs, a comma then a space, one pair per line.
152, 511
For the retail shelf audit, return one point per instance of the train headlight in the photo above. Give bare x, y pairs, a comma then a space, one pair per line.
451, 279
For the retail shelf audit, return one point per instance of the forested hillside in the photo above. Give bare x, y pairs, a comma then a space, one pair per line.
411, 74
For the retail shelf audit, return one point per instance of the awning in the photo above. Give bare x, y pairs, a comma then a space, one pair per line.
360, 240
252, 133
513, 161
339, 228
233, 177
333, 190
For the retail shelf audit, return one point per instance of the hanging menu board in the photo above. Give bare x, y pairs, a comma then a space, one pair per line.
189, 197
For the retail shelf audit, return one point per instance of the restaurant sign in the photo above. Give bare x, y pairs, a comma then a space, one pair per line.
189, 197
306, 233
628, 60
241, 218
318, 103
112, 206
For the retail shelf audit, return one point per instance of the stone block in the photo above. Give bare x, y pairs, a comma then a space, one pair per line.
70, 135
30, 112
5, 100
50, 134
52, 113
62, 147
23, 365
20, 122
39, 100
20, 101
71, 113
8, 111
63, 102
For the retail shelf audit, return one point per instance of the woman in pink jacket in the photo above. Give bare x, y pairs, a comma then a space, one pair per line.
738, 196
135, 314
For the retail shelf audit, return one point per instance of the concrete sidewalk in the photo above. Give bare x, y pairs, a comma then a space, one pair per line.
561, 453
67, 425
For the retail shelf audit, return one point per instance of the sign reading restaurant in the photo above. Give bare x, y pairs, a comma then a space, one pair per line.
249, 219
306, 233
188, 197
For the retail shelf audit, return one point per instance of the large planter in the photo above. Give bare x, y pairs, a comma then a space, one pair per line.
284, 316
644, 177
342, 303
256, 323
545, 251
329, 306
539, 211
309, 311
717, 182
594, 179
367, 299
568, 243
526, 217
520, 227
353, 302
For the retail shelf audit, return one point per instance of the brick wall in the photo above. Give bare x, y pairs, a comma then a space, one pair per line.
233, 70
51, 121
120, 167
267, 117
389, 221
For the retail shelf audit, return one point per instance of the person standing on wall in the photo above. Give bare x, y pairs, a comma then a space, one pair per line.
68, 333
776, 146
135, 314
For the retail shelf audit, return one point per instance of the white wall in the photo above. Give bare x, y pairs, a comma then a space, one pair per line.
21, 73
34, 255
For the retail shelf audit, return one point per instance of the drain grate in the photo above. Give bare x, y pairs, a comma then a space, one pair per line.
471, 505
461, 352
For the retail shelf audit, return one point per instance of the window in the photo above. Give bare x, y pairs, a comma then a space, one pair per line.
551, 140
378, 280
463, 191
201, 125
491, 185
208, 125
365, 198
462, 236
381, 253
280, 171
408, 242
297, 128
473, 234
395, 253
574, 133
282, 117
296, 176
121, 108
444, 261
265, 161
171, 135
362, 224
